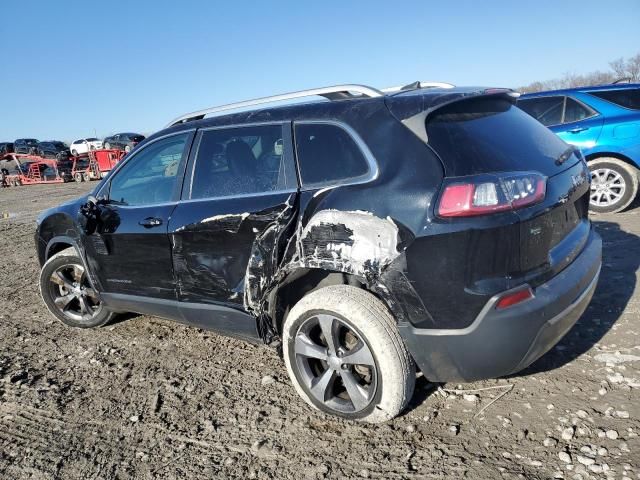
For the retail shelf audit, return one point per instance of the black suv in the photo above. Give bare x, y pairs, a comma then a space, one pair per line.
53, 149
26, 145
122, 141
365, 235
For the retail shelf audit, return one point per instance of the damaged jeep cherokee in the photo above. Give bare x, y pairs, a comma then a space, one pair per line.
365, 234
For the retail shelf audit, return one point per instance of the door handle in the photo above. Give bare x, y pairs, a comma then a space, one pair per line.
578, 129
150, 222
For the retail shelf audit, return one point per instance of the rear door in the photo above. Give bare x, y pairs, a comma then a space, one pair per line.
573, 121
228, 231
130, 250
581, 125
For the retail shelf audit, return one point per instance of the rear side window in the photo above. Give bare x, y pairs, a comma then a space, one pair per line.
241, 161
327, 153
491, 135
547, 110
629, 98
575, 111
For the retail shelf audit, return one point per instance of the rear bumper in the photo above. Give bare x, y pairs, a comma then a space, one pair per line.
501, 342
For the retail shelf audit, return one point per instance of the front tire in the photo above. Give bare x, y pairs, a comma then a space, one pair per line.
127, 148
68, 294
107, 146
614, 185
345, 356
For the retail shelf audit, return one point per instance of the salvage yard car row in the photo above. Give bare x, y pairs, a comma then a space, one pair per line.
26, 169
59, 150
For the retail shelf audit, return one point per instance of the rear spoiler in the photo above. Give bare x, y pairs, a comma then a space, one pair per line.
412, 109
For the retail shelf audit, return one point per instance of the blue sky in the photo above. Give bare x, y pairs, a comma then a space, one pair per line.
70, 67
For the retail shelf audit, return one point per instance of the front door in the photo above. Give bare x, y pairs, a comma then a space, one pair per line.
228, 232
130, 251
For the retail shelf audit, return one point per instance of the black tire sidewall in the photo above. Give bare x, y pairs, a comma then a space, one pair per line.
52, 264
294, 327
629, 194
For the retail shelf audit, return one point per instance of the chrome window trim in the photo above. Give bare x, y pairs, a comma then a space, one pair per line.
240, 195
134, 154
281, 123
370, 176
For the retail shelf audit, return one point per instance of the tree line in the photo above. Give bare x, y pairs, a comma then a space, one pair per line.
620, 70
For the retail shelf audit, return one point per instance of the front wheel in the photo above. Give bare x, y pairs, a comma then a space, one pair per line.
107, 146
68, 294
127, 148
614, 185
345, 356
74, 153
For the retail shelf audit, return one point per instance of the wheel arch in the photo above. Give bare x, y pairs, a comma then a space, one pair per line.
301, 282
609, 154
58, 244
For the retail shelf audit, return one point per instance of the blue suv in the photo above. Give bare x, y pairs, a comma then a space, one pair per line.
604, 122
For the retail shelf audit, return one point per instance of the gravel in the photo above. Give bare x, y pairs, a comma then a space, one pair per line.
148, 398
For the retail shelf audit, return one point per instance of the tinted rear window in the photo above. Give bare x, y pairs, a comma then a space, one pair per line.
328, 154
629, 98
486, 135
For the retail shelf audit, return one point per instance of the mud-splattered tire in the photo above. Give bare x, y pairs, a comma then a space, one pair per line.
63, 281
614, 185
362, 332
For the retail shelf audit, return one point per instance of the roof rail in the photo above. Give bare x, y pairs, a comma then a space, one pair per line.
332, 93
417, 85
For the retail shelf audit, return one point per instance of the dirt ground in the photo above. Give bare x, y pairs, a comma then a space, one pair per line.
147, 398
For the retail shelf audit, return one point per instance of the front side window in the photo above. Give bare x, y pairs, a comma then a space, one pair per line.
150, 176
547, 110
240, 161
328, 154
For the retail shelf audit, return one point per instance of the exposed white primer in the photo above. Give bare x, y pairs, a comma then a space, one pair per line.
374, 240
229, 216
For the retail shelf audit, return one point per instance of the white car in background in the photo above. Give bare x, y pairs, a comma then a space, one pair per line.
83, 145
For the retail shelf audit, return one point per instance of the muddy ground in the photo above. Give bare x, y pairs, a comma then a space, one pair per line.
147, 398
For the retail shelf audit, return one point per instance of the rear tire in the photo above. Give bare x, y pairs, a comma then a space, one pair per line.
374, 386
68, 294
85, 177
614, 185
78, 177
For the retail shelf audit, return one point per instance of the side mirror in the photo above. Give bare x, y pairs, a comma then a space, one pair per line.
90, 213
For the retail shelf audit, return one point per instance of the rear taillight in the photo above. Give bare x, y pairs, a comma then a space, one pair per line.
485, 194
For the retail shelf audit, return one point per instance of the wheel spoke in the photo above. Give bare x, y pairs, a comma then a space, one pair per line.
84, 307
321, 385
307, 348
358, 395
77, 273
59, 279
327, 324
90, 292
64, 301
359, 355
